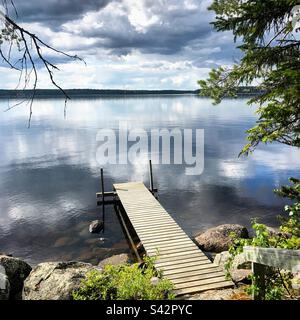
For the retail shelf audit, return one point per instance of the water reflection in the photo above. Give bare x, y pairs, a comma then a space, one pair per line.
49, 174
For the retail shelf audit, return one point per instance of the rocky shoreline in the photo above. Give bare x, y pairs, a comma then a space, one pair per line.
57, 280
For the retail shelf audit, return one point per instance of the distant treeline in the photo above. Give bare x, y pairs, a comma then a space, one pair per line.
77, 93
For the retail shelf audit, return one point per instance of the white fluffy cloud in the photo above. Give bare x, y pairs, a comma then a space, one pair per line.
134, 44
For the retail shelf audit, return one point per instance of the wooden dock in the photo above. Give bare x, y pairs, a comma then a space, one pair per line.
180, 260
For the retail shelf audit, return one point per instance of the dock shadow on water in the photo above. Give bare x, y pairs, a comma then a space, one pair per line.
49, 174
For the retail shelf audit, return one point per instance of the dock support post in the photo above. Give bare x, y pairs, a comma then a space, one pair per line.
151, 177
128, 234
102, 191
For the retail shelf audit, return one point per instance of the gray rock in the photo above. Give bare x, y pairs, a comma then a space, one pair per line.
239, 261
55, 280
16, 272
273, 231
115, 260
96, 226
221, 258
241, 275
154, 281
296, 281
4, 285
219, 238
225, 294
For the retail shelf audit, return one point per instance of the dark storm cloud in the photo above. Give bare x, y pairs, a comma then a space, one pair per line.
171, 31
55, 12
121, 26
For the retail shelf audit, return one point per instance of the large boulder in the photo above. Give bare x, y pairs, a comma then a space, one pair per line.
4, 285
55, 280
16, 271
115, 260
219, 238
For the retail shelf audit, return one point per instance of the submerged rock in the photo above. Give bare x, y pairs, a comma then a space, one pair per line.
115, 260
16, 271
4, 285
219, 238
96, 226
55, 280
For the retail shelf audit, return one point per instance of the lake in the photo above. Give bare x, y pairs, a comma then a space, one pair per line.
49, 173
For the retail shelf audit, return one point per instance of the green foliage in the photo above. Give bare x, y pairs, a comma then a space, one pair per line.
125, 282
278, 282
271, 57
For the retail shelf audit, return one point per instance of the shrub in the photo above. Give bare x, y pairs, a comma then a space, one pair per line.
278, 282
125, 282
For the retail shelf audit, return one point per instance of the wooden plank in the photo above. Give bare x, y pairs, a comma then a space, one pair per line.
158, 241
223, 284
180, 261
177, 254
156, 224
147, 213
180, 247
186, 269
153, 248
151, 220
174, 243
200, 282
181, 256
159, 227
162, 230
198, 277
183, 265
155, 244
157, 233
200, 271
163, 236
171, 250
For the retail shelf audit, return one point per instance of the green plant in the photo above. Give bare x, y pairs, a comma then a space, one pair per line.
270, 58
125, 282
278, 282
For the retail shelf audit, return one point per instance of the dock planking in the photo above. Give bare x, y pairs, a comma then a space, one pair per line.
178, 257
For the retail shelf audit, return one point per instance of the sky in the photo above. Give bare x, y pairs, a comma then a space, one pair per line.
126, 44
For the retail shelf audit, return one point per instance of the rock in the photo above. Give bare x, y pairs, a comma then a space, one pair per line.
115, 260
5, 254
96, 226
55, 280
225, 294
296, 281
273, 231
154, 281
16, 272
241, 275
221, 258
219, 239
239, 261
64, 241
4, 285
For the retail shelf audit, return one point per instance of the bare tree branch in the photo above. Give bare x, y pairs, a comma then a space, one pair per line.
30, 47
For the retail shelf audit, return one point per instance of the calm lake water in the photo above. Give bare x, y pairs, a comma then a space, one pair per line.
49, 174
